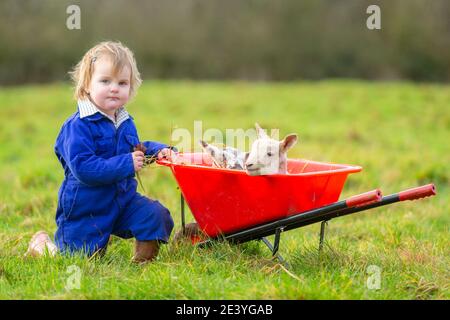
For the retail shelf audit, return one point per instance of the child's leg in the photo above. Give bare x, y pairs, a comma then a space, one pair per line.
149, 222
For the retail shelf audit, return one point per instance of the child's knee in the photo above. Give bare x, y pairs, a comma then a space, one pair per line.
165, 216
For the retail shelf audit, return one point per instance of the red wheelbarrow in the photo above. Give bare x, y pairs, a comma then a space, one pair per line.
233, 206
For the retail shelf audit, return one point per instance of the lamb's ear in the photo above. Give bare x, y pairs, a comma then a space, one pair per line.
246, 156
260, 132
288, 142
202, 143
206, 148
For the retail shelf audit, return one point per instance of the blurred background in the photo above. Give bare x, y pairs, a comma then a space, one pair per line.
234, 39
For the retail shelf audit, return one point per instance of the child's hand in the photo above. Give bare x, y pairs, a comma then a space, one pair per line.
168, 154
138, 160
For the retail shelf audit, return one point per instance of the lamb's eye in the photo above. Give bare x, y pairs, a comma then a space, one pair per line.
269, 154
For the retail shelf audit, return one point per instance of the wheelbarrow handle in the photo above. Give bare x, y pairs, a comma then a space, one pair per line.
364, 198
417, 193
353, 204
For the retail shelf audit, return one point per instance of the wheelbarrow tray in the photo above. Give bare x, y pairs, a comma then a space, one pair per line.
224, 201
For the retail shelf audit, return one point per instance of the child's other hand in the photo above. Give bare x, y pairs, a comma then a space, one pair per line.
138, 160
168, 154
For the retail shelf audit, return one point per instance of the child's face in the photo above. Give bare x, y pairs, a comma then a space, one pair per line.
108, 91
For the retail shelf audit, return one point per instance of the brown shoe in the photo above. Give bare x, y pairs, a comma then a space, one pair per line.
145, 251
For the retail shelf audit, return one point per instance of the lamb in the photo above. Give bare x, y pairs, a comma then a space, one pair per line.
229, 158
267, 156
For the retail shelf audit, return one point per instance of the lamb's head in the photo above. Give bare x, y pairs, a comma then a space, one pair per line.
267, 155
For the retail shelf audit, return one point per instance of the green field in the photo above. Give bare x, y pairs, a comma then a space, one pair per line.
398, 132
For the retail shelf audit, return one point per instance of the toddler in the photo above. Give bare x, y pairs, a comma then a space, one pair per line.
95, 147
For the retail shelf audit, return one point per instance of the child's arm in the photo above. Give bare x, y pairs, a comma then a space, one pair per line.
77, 148
152, 148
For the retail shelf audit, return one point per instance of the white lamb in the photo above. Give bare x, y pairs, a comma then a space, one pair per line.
267, 156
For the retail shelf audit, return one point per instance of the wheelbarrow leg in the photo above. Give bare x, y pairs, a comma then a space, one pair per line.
183, 222
322, 233
275, 247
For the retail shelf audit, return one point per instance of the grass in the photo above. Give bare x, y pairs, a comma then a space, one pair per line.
399, 133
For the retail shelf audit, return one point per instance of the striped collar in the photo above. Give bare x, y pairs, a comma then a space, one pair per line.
87, 108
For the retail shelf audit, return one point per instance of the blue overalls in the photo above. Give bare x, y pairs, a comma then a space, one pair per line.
98, 196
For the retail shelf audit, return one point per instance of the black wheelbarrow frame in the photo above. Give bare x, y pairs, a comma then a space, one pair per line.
354, 204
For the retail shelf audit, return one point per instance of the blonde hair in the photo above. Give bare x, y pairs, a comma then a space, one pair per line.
120, 56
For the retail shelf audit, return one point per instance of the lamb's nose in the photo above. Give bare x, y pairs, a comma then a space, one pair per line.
248, 165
